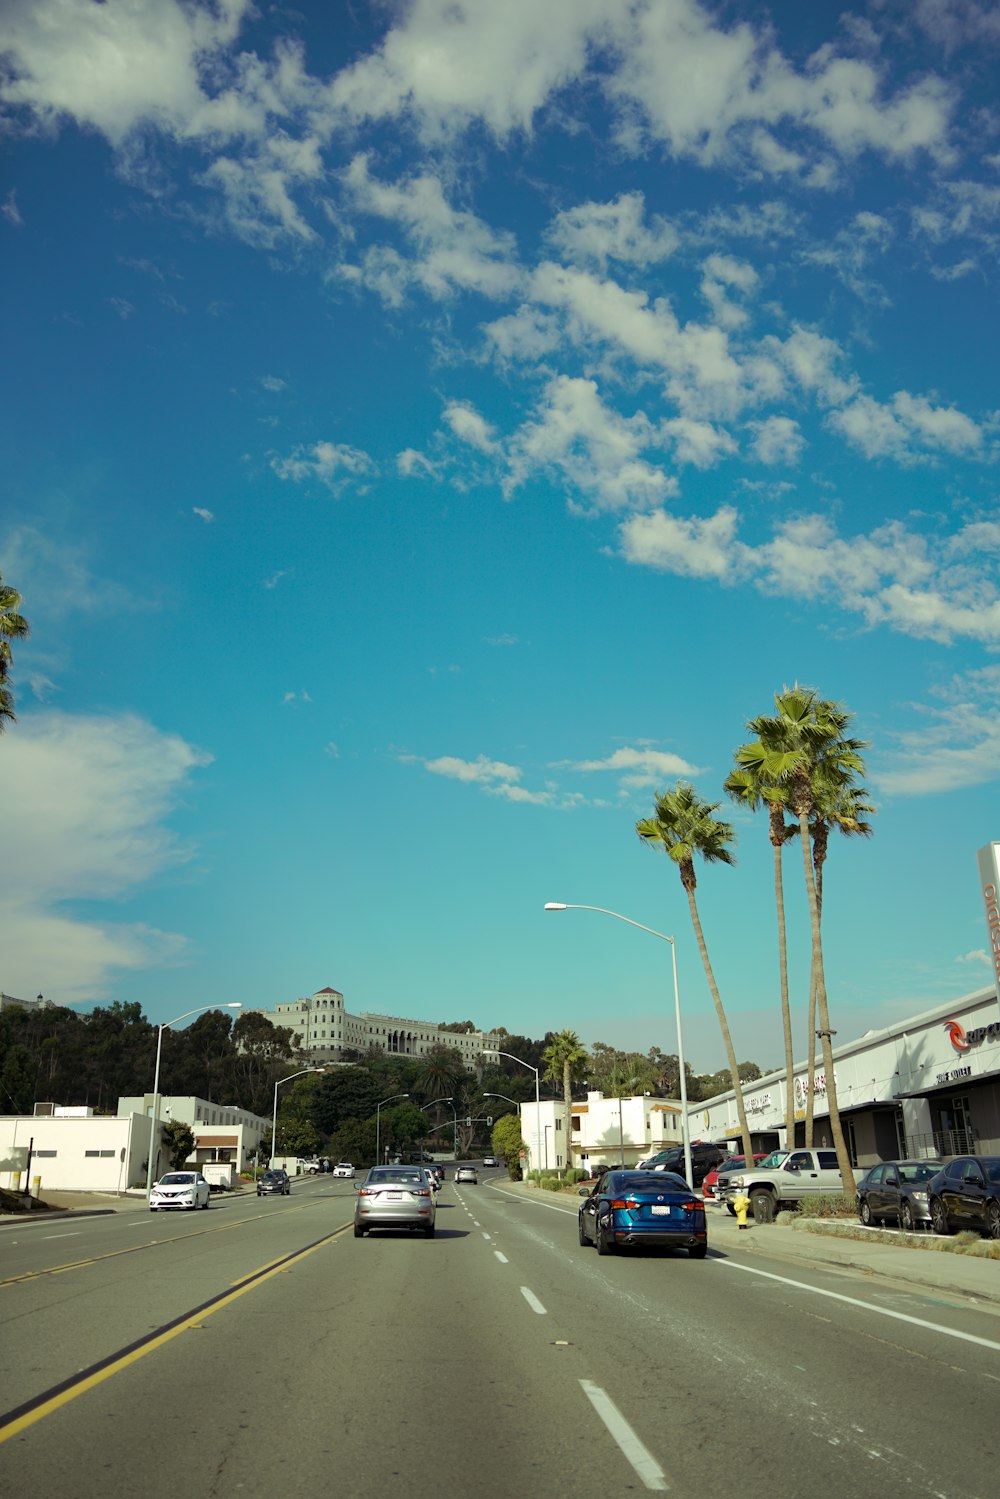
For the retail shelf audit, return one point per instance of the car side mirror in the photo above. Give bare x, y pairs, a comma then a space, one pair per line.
584, 1192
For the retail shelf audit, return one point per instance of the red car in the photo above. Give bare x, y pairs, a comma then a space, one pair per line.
731, 1163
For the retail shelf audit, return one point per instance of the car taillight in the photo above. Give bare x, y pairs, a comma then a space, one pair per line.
421, 1194
366, 1192
622, 1202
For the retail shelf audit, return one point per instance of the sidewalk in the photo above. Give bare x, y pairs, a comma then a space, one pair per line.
880, 1253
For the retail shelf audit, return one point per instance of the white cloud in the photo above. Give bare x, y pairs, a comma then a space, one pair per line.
905, 428
454, 249
123, 308
956, 743
206, 515
777, 439
636, 768
480, 770
275, 578
10, 210
273, 383
296, 697
596, 451
329, 463
596, 233
467, 425
977, 956
86, 804
935, 588
410, 462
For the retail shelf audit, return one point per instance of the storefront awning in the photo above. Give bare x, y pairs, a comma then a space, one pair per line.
216, 1142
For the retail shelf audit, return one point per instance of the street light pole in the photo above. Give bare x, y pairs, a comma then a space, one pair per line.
554, 905
378, 1123
153, 1136
492, 1051
274, 1116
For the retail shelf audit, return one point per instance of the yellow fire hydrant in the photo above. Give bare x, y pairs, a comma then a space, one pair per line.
741, 1204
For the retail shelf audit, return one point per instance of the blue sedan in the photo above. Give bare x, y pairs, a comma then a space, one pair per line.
643, 1207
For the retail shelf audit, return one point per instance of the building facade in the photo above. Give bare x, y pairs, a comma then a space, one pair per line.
928, 1086
605, 1131
323, 1030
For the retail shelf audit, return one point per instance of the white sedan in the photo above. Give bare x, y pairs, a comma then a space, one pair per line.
180, 1189
344, 1168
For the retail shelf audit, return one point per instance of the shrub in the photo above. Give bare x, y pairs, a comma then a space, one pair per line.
552, 1183
836, 1205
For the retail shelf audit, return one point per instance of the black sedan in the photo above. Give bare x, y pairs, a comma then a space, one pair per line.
643, 1207
896, 1192
966, 1194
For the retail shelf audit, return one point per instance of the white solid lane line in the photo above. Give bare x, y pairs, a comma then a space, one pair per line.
865, 1306
640, 1457
73, 1235
533, 1301
501, 1257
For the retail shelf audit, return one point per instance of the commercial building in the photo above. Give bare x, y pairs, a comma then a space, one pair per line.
926, 1086
324, 1031
75, 1150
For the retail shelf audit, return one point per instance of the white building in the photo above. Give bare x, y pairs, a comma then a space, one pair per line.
604, 1130
76, 1150
323, 1031
927, 1086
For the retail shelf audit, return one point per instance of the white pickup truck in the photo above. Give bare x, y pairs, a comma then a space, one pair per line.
782, 1180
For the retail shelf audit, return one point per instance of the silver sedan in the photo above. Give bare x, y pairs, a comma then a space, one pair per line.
395, 1197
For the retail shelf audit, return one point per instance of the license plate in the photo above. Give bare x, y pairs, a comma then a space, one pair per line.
394, 1196
660, 1212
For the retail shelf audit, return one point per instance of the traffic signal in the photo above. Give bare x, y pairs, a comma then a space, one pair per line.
468, 1121
489, 1119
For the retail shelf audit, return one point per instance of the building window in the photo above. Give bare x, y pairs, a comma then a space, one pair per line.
47, 1155
103, 1155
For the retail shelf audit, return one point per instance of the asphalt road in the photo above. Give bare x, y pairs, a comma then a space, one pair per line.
259, 1349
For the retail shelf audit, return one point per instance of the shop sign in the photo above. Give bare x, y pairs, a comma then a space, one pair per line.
953, 1075
759, 1104
962, 1039
802, 1086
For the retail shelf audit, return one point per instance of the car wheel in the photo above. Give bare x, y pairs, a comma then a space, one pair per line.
605, 1245
906, 1219
939, 1217
865, 1213
359, 1232
583, 1237
993, 1220
429, 1231
698, 1251
730, 1209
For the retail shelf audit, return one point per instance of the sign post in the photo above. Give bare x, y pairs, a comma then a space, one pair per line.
989, 889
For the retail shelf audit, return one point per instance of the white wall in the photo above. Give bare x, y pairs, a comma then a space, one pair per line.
75, 1155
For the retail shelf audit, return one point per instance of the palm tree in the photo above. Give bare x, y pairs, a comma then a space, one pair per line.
838, 804
13, 626
682, 826
751, 788
802, 745
565, 1061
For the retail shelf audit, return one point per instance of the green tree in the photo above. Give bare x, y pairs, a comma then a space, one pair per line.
508, 1144
751, 788
682, 826
13, 626
180, 1142
566, 1061
343, 1096
439, 1073
296, 1136
801, 746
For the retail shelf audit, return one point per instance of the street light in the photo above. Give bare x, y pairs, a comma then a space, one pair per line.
378, 1123
153, 1137
493, 1051
274, 1115
554, 905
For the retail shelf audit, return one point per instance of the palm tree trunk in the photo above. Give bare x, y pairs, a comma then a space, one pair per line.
786, 1014
836, 1128
723, 1025
568, 1104
811, 1064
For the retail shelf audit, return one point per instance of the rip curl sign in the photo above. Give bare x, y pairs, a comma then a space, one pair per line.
962, 1039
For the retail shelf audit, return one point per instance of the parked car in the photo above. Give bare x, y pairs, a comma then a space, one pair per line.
703, 1157
897, 1191
966, 1194
180, 1189
643, 1207
490, 1160
395, 1197
467, 1174
731, 1163
344, 1168
773, 1187
275, 1181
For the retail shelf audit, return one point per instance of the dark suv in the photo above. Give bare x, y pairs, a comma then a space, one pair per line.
274, 1181
966, 1194
703, 1158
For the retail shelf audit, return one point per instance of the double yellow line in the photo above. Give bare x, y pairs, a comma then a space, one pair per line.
16, 1421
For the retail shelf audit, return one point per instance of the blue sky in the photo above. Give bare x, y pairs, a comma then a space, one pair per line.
434, 428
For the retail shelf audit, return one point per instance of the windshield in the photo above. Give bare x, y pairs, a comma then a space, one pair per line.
177, 1179
921, 1172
